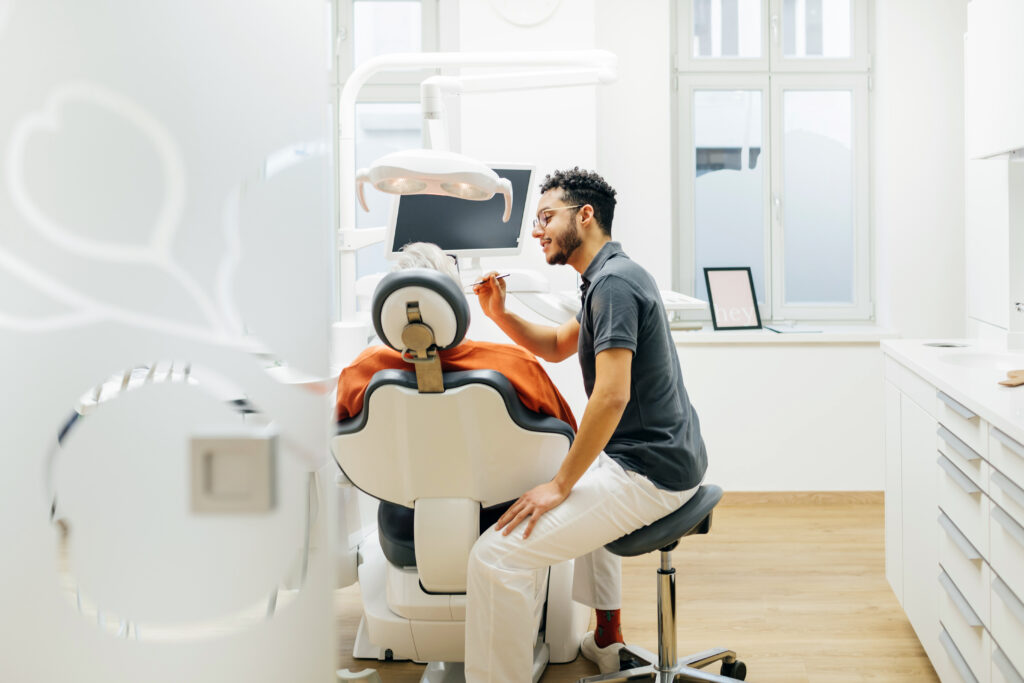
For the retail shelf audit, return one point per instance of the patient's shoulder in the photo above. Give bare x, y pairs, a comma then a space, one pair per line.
507, 351
378, 356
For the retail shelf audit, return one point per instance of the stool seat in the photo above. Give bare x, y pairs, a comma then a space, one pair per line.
692, 518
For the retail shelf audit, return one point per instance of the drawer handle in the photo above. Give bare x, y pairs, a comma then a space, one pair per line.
961, 479
958, 538
954, 654
955, 406
1008, 523
1011, 444
962, 606
957, 444
1015, 492
1011, 601
1004, 665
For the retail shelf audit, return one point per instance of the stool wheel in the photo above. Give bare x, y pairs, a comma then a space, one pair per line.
737, 670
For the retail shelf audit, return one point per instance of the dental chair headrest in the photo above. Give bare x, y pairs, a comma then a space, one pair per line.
442, 306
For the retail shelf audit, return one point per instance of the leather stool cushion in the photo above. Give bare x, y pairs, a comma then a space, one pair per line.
693, 518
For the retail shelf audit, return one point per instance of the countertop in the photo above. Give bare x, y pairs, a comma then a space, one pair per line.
970, 374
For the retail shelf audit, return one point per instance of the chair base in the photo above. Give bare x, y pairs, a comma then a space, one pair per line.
686, 668
455, 672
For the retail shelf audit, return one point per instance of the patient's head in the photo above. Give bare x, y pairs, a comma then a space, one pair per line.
427, 255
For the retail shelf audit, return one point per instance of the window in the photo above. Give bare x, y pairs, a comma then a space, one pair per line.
772, 113
388, 115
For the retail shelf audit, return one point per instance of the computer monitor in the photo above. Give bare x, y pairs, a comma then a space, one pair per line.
464, 227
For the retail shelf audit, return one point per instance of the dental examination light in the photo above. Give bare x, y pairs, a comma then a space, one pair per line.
434, 170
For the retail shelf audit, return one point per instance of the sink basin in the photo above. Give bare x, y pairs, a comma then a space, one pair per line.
985, 360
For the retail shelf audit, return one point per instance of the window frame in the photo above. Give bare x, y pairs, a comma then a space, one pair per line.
773, 75
688, 85
396, 86
686, 62
860, 307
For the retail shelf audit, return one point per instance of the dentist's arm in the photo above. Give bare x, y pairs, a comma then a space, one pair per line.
601, 417
550, 343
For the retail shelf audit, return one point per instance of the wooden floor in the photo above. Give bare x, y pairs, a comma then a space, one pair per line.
794, 583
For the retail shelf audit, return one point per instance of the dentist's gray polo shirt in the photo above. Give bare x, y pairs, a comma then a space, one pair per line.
659, 433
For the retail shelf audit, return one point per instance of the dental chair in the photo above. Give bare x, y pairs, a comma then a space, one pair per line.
445, 453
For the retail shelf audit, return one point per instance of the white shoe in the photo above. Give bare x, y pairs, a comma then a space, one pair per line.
606, 658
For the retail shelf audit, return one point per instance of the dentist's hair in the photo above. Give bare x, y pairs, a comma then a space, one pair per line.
427, 255
585, 187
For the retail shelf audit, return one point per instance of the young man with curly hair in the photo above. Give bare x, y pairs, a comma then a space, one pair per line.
639, 427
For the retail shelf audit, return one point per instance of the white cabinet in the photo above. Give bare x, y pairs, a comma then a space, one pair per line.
954, 530
920, 526
893, 492
994, 71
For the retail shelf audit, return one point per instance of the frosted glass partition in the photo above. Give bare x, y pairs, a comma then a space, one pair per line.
165, 255
728, 192
817, 181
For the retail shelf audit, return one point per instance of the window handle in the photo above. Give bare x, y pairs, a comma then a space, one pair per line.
776, 207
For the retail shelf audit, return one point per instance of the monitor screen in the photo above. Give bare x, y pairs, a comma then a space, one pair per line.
464, 227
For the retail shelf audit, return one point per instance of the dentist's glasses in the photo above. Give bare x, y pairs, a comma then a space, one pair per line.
544, 216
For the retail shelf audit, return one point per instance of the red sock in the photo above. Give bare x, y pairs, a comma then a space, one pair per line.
608, 629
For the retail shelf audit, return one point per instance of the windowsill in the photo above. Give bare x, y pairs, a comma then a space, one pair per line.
828, 334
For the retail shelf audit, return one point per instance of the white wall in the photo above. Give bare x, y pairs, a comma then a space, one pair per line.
918, 166
789, 417
634, 129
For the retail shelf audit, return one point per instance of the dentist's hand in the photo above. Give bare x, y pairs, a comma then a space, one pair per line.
532, 504
491, 295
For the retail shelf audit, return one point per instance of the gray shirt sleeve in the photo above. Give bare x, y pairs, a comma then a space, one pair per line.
615, 312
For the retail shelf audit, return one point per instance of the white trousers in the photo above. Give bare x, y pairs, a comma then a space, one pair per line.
506, 582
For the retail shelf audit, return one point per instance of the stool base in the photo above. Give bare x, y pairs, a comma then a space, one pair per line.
686, 668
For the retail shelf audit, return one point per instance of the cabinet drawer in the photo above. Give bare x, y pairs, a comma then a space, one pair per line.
964, 503
965, 566
1003, 670
962, 421
1006, 555
963, 456
1008, 622
965, 628
1006, 455
1008, 494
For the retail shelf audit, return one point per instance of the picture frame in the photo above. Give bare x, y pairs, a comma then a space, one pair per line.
731, 298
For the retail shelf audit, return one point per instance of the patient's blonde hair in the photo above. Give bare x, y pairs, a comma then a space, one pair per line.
427, 255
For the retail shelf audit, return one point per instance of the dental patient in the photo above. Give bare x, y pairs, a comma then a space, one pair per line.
518, 365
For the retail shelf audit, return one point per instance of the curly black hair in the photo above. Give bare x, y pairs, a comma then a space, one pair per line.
585, 187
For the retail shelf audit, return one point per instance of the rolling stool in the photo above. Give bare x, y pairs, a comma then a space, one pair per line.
664, 535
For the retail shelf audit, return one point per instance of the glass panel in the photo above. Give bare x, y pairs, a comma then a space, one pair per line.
152, 227
383, 27
727, 28
381, 129
816, 28
728, 192
817, 177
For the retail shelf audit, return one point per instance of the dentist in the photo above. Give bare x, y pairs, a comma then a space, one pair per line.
639, 427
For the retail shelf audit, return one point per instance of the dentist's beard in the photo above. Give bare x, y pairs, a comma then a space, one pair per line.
567, 243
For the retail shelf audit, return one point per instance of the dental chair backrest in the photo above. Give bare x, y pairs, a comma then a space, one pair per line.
444, 445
